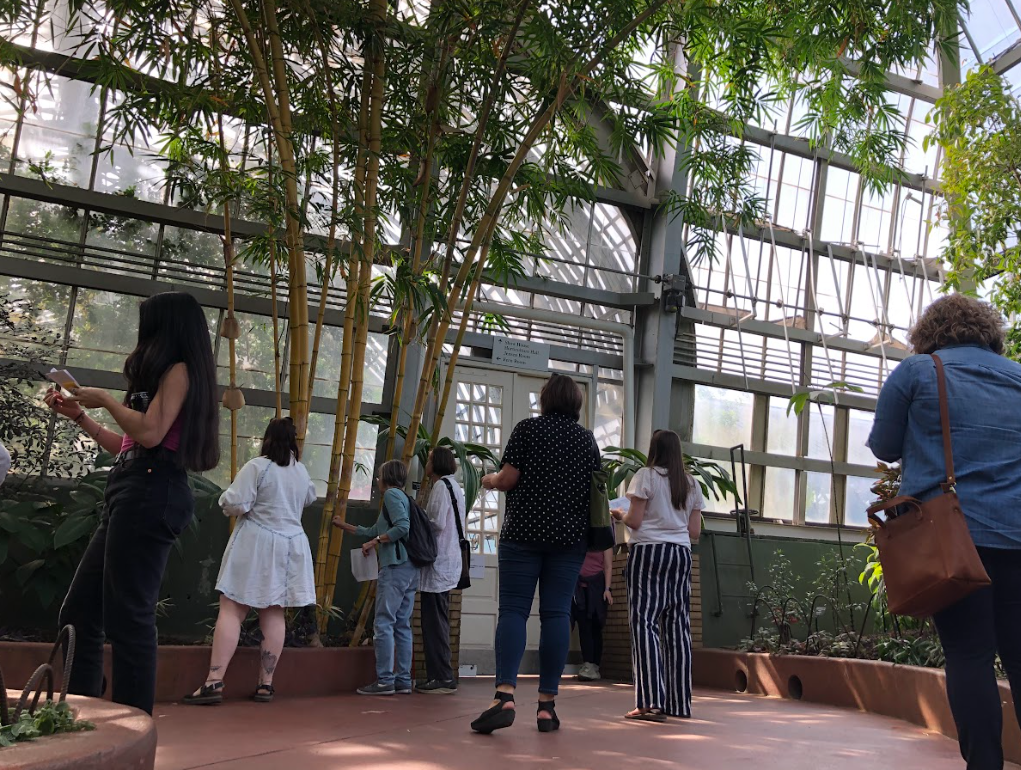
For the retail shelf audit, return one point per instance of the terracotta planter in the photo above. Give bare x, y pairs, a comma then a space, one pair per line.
302, 672
124, 739
916, 695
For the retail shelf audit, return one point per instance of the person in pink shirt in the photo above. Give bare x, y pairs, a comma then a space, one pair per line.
592, 597
169, 422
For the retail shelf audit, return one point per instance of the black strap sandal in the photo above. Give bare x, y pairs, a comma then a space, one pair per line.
263, 693
207, 695
496, 717
553, 722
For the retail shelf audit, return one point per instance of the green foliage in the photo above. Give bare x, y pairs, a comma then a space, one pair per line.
472, 459
43, 533
791, 602
872, 576
622, 464
49, 719
799, 401
978, 126
915, 651
25, 422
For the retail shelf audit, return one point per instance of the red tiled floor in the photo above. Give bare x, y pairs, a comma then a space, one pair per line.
431, 732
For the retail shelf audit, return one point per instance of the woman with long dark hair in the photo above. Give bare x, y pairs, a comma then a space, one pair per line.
665, 518
267, 564
169, 418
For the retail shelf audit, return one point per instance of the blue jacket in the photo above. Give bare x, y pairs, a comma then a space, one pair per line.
984, 396
396, 503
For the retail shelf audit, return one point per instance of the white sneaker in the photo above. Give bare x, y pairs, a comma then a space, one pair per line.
588, 672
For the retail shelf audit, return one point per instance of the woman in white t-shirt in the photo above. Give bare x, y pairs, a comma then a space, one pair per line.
446, 512
665, 518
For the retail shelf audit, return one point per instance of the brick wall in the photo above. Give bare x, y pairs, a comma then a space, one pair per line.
418, 664
617, 635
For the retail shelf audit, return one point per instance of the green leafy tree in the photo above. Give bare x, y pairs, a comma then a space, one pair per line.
978, 126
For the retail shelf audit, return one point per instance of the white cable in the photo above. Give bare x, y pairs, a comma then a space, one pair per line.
783, 303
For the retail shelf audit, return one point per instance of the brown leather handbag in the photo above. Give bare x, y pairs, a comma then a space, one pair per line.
928, 557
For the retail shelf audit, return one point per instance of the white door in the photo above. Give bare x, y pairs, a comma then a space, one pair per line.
487, 405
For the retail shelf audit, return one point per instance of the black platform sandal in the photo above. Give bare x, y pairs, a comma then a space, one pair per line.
208, 695
550, 724
496, 717
263, 693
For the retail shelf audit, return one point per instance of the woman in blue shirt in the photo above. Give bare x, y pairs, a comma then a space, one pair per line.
984, 396
397, 584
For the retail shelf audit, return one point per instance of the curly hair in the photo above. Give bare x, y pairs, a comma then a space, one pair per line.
957, 319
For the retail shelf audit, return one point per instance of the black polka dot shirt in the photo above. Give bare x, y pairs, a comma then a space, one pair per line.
550, 503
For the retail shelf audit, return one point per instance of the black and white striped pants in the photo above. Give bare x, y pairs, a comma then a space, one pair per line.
659, 598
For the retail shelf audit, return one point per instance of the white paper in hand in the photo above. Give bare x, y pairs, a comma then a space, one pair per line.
363, 567
621, 503
63, 378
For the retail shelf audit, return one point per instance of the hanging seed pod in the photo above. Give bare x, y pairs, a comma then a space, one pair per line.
230, 328
233, 398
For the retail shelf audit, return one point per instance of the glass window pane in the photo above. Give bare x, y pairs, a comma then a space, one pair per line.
609, 415
778, 495
726, 504
104, 330
857, 499
859, 425
820, 431
817, 500
254, 351
722, 417
782, 429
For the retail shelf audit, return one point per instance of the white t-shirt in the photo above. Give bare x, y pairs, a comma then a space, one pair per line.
663, 523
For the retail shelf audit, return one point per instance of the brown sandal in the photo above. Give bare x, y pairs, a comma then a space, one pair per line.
646, 716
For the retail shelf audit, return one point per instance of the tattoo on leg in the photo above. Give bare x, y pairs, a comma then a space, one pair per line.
269, 662
215, 668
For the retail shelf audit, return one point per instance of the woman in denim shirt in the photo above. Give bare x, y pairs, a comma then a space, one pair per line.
984, 396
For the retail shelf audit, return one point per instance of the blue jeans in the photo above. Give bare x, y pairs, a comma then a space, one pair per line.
395, 602
556, 571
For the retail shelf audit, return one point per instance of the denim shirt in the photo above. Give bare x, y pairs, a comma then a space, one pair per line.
984, 397
396, 503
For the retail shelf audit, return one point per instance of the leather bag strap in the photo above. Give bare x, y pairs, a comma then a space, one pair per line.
457, 513
944, 418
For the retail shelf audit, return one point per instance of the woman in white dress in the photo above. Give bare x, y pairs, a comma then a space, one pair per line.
267, 564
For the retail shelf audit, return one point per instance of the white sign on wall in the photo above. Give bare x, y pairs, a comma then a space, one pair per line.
521, 354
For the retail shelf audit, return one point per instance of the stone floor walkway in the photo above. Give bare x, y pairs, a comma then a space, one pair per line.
431, 732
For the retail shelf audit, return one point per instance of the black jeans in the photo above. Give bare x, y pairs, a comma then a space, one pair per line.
114, 592
972, 632
590, 634
436, 635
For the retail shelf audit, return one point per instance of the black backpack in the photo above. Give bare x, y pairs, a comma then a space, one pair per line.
420, 542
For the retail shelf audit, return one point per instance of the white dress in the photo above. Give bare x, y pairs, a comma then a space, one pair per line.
444, 573
268, 561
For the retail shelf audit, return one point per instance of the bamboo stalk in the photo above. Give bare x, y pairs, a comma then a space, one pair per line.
228, 264
448, 380
331, 240
298, 282
278, 105
330, 539
568, 82
377, 18
276, 323
410, 330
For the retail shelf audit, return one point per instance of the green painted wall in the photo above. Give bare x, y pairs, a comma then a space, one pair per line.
725, 574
